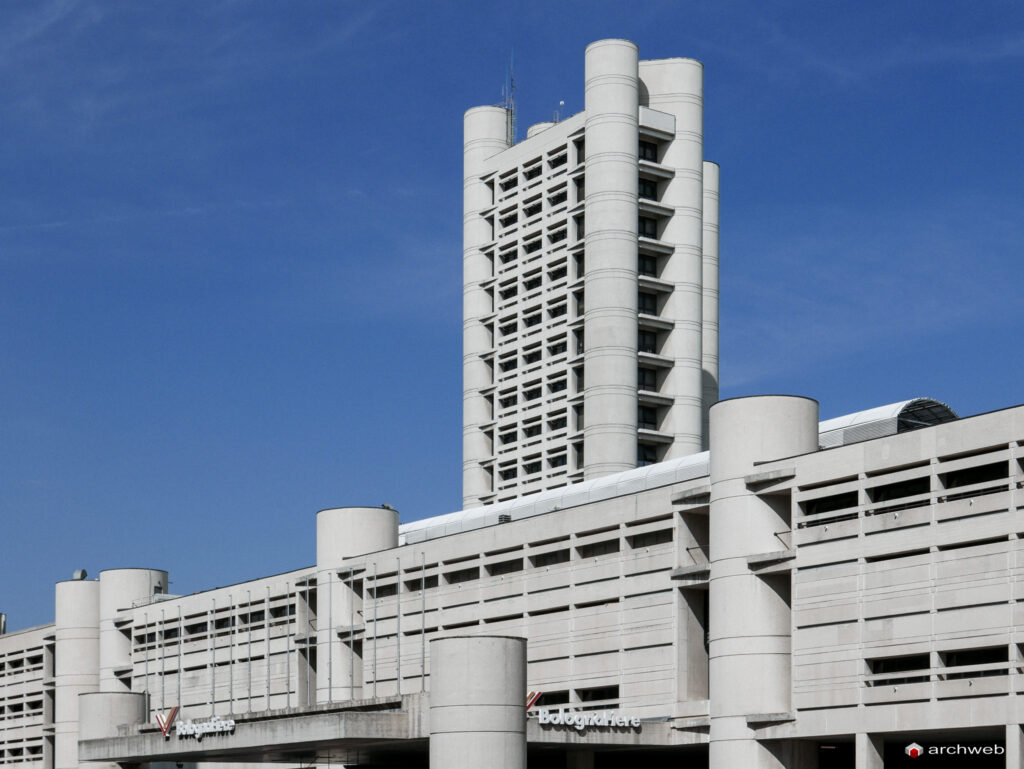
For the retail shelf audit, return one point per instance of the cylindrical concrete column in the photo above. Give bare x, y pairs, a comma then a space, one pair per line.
749, 636
676, 86
537, 128
100, 714
76, 662
341, 533
709, 291
119, 588
610, 277
485, 135
103, 712
477, 712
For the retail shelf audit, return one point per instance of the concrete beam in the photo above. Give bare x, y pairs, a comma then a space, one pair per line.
261, 738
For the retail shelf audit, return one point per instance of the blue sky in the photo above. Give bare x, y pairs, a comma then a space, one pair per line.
230, 245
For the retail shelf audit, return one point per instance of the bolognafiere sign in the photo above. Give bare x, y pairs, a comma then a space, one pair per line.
190, 728
603, 719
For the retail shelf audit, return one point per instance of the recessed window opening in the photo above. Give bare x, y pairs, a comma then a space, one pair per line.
971, 476
909, 663
550, 559
829, 504
965, 657
899, 490
648, 151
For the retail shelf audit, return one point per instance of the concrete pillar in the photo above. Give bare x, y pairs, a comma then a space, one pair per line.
796, 754
709, 292
343, 533
750, 641
579, 759
477, 711
119, 589
610, 277
485, 134
1014, 747
692, 660
76, 662
870, 752
676, 86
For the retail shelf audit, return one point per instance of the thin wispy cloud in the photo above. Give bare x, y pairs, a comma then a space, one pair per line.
137, 215
786, 48
847, 284
180, 64
992, 49
32, 26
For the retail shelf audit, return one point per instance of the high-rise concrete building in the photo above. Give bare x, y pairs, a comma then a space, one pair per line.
590, 325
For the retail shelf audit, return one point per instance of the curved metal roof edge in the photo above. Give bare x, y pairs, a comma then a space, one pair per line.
890, 411
564, 496
648, 477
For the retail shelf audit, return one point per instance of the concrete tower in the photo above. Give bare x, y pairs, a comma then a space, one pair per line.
76, 662
342, 533
749, 653
610, 251
590, 341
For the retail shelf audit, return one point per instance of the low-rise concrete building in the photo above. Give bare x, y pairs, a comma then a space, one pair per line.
771, 603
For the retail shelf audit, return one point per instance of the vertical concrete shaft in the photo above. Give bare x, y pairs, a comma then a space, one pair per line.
119, 589
709, 291
1014, 746
477, 712
610, 278
342, 533
750, 626
76, 662
676, 86
485, 132
102, 712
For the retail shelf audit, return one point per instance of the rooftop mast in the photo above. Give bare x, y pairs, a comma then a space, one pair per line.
509, 100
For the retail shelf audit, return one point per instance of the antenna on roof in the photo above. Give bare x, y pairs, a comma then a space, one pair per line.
509, 100
558, 112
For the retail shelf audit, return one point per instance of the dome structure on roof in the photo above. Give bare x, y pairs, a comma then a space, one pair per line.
883, 420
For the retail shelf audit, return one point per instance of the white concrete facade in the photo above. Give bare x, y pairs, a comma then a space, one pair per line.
590, 282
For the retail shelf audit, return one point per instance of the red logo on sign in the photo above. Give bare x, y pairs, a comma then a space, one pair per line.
164, 720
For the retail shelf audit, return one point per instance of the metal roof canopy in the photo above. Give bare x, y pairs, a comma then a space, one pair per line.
852, 428
883, 421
